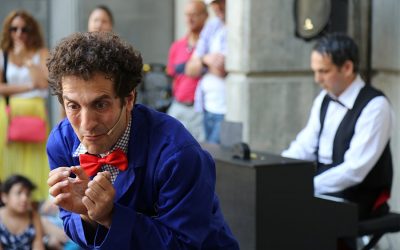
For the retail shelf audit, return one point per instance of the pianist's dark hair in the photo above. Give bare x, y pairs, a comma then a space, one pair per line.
340, 48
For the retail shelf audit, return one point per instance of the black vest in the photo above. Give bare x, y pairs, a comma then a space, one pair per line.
379, 179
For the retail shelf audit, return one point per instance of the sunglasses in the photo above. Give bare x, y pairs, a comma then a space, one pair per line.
23, 29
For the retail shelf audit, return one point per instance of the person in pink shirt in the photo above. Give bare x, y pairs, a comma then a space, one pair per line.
184, 86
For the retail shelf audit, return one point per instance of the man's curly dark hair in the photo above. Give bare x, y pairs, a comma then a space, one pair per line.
84, 54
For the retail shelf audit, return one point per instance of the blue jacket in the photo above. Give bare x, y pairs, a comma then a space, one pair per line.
164, 200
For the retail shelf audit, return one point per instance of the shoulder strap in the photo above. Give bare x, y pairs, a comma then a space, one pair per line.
5, 56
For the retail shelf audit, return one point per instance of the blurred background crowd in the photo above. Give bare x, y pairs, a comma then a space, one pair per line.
261, 58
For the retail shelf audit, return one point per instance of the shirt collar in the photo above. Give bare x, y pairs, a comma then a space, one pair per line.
122, 143
349, 96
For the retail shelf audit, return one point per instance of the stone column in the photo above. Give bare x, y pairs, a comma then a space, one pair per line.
386, 68
270, 85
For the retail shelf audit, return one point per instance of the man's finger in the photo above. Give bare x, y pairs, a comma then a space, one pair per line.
103, 179
106, 174
90, 206
59, 169
61, 198
79, 172
57, 188
93, 192
58, 175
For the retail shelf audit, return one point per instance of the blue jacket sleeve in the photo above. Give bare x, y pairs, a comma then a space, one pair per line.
59, 150
185, 182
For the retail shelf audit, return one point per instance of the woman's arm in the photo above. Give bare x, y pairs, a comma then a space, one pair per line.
14, 89
38, 241
55, 235
194, 66
39, 72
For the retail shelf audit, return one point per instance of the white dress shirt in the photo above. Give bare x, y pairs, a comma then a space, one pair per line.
372, 132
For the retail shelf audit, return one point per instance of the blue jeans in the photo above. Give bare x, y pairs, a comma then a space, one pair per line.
212, 126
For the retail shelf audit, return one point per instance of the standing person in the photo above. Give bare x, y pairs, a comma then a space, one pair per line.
100, 19
184, 86
20, 226
156, 186
348, 131
208, 61
26, 87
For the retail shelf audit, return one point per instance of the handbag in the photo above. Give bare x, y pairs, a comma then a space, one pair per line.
27, 129
23, 128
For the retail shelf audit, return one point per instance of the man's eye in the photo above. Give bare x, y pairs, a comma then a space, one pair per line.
101, 105
72, 106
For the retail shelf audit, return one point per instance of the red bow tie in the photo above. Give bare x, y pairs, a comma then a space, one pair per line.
92, 163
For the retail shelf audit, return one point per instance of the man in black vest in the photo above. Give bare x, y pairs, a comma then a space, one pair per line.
348, 132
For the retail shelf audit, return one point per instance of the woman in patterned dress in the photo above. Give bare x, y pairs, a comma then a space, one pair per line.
20, 226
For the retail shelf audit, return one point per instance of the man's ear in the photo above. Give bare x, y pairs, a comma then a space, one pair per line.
130, 100
348, 67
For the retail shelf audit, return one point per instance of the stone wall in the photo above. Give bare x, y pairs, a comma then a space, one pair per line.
386, 67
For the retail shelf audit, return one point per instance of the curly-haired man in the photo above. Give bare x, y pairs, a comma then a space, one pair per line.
125, 176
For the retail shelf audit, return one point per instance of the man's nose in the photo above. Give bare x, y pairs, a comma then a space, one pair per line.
87, 120
317, 77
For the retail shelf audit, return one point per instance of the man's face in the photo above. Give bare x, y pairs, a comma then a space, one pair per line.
196, 16
328, 75
219, 8
93, 109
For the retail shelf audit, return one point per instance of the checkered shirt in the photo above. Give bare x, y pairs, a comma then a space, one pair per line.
122, 144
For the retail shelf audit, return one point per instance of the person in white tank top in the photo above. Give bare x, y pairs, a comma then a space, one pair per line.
23, 42
25, 92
